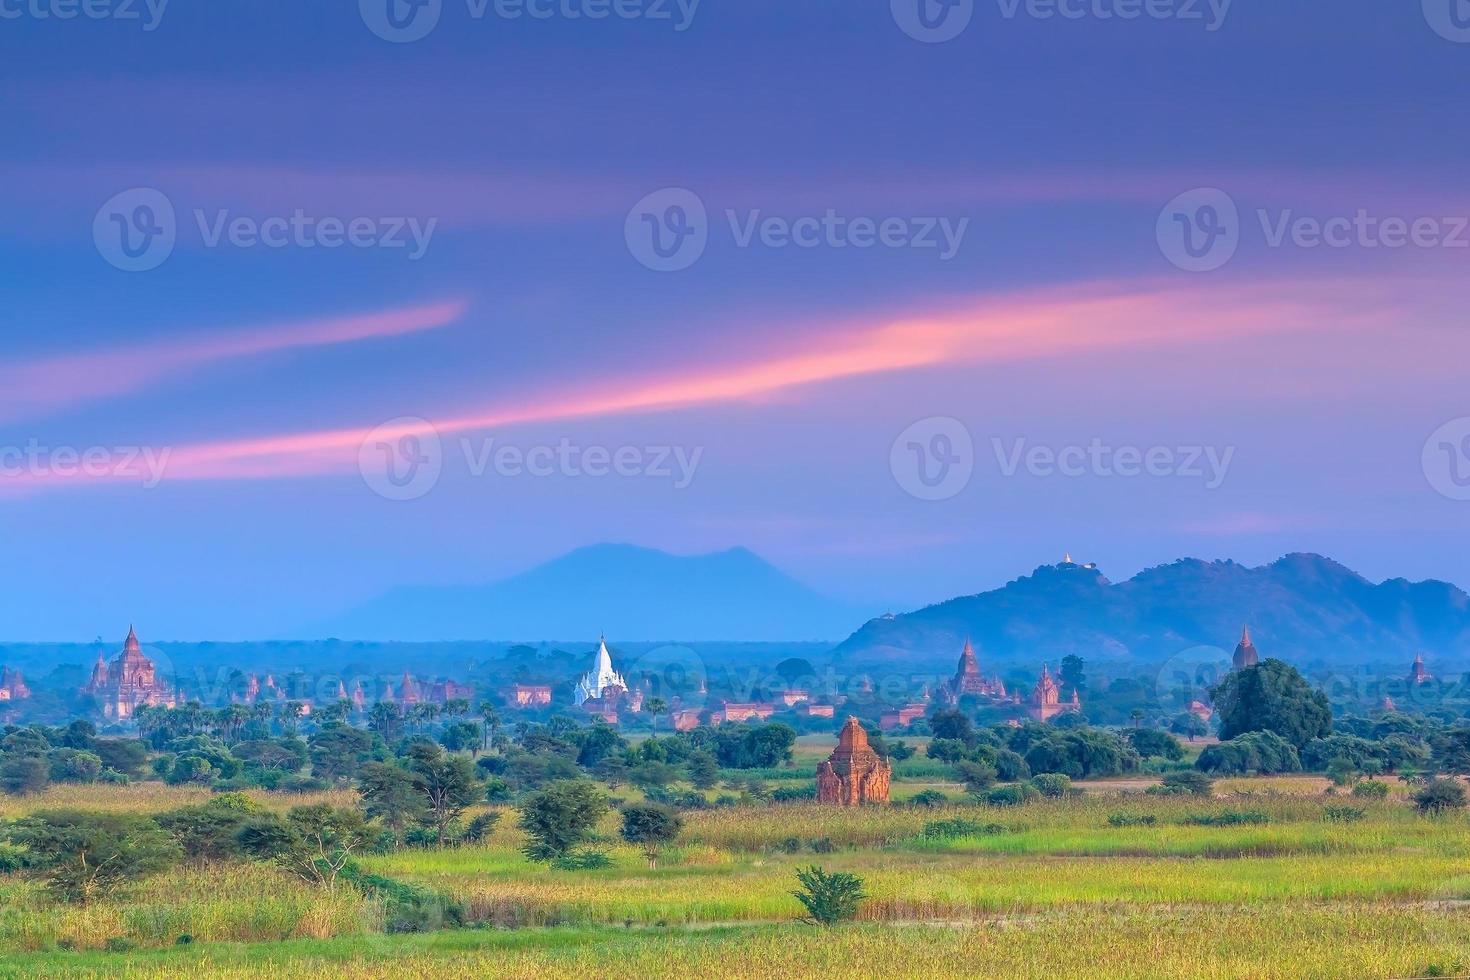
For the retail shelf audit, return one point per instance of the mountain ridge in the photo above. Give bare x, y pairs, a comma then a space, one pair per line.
627, 591
1300, 606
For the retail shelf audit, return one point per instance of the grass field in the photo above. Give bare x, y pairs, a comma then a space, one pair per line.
1052, 888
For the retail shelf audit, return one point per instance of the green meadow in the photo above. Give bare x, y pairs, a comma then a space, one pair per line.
1057, 887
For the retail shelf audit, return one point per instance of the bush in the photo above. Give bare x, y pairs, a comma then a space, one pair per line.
929, 798
1015, 795
1262, 752
1371, 789
1132, 820
1228, 818
1440, 796
119, 944
828, 898
1189, 783
1052, 784
1344, 814
958, 827
823, 845
582, 861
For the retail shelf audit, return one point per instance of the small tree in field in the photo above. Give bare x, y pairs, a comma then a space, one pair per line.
561, 816
829, 898
651, 827
81, 856
1440, 796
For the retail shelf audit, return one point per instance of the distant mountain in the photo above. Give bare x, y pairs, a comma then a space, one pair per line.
631, 593
1299, 608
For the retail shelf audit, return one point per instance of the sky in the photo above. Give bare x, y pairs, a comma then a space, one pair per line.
303, 302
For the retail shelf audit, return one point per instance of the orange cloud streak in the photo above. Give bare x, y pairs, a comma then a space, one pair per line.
1063, 322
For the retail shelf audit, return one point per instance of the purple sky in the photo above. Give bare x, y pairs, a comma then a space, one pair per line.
993, 234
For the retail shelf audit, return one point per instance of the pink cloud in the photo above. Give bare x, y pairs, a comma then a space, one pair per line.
47, 384
1069, 321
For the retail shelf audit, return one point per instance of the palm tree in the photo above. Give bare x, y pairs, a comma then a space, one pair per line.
491, 718
656, 706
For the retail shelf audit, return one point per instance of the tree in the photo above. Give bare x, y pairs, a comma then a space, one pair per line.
385, 719
391, 794
656, 707
1072, 676
22, 774
81, 856
559, 817
491, 719
461, 736
1152, 742
1272, 697
952, 723
704, 771
339, 751
828, 898
651, 827
977, 776
1189, 724
448, 783
315, 842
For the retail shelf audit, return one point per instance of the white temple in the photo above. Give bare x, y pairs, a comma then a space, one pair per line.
600, 677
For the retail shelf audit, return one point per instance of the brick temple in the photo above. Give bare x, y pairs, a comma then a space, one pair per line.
854, 774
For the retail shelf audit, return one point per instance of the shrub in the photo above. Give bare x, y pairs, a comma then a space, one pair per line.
1260, 751
929, 798
1132, 820
1189, 783
958, 827
480, 828
1052, 784
828, 898
1371, 789
823, 845
1344, 814
81, 856
1228, 818
1012, 795
581, 861
119, 944
791, 845
1439, 796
